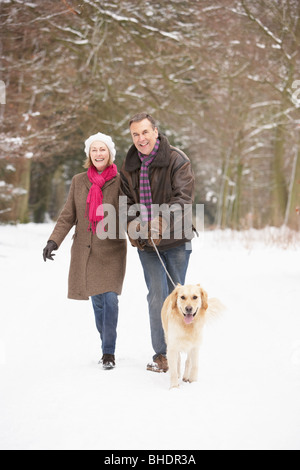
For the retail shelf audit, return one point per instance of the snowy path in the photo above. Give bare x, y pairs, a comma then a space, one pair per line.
54, 396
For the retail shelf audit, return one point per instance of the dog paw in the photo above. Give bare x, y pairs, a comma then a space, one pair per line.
186, 380
174, 386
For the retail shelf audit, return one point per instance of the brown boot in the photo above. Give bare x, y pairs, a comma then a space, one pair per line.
160, 365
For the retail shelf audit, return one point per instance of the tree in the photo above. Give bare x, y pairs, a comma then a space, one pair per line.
278, 23
218, 77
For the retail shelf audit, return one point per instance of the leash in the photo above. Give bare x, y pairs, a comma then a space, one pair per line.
163, 264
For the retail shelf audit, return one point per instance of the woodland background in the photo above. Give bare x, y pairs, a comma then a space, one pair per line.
222, 78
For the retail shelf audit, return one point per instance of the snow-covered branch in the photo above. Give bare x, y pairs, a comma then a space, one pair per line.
264, 28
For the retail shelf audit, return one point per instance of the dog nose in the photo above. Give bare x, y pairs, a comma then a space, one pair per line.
189, 310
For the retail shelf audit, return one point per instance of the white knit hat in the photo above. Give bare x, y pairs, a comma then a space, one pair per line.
106, 139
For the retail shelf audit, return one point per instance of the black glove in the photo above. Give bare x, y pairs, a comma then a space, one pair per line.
47, 253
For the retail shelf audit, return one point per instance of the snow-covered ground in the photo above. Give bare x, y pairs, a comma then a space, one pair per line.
53, 394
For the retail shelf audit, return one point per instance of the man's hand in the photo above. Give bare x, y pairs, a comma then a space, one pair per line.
157, 228
137, 234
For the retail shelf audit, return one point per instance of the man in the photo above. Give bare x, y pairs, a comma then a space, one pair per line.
155, 173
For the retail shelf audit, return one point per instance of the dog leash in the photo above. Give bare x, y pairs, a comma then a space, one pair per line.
163, 264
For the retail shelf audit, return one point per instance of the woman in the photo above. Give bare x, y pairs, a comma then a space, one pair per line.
97, 265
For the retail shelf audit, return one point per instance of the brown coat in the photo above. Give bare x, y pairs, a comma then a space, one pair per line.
97, 266
172, 182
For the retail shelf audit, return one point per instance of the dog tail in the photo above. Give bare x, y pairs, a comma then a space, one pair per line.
215, 308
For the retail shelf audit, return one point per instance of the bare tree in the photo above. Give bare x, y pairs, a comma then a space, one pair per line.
218, 76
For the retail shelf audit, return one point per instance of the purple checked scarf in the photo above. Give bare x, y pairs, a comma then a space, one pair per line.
145, 188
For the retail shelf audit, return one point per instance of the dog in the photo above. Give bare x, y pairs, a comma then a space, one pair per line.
183, 317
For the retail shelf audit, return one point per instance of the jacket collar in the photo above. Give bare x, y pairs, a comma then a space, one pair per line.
162, 159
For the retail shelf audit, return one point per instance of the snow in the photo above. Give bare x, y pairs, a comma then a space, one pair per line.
120, 18
19, 191
17, 141
9, 168
172, 35
29, 155
54, 395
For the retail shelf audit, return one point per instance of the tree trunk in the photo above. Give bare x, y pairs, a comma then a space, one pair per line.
223, 195
21, 190
292, 218
279, 190
236, 220
17, 194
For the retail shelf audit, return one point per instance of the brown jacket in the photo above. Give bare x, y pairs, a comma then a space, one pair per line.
97, 266
172, 182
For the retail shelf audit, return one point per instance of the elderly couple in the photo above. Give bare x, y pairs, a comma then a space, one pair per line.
153, 172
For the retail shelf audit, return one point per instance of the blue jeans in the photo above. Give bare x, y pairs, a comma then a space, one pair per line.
106, 309
159, 286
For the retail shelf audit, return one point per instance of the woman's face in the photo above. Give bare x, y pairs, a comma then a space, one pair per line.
99, 154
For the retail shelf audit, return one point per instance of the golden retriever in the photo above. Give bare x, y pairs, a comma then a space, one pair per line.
183, 317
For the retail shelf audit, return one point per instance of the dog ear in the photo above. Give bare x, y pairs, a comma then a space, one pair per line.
204, 298
174, 296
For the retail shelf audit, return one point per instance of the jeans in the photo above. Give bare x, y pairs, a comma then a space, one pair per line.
106, 309
159, 286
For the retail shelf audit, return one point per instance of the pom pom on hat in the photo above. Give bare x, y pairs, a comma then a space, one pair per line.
106, 139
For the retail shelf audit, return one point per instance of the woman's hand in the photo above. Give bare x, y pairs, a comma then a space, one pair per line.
47, 253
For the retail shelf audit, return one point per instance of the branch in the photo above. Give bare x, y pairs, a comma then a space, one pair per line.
260, 24
70, 8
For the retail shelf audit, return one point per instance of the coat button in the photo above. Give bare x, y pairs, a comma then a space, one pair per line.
89, 246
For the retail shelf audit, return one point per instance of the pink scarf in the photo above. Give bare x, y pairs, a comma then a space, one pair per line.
94, 209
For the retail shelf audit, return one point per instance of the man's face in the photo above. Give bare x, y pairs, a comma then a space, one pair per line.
144, 136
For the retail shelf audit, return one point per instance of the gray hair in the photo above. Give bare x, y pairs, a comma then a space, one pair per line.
140, 117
